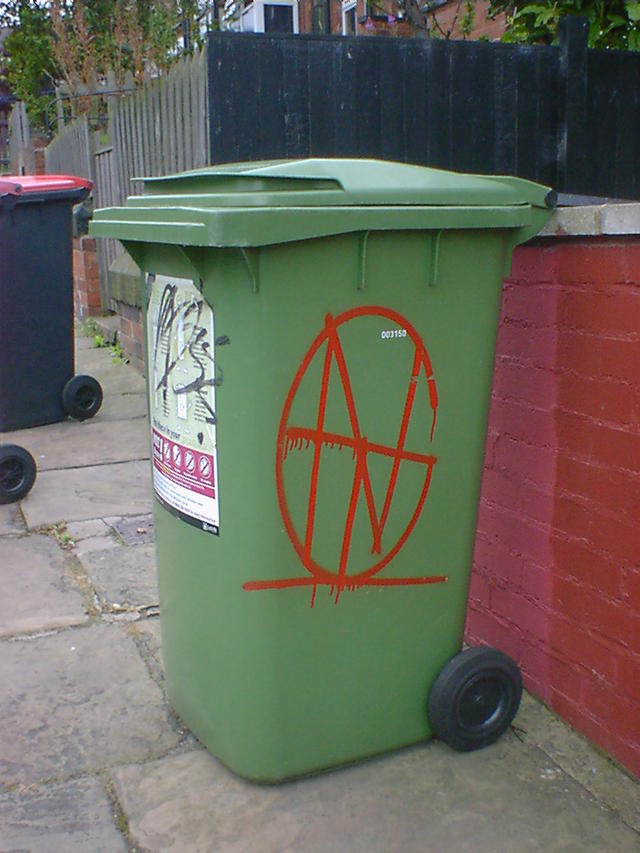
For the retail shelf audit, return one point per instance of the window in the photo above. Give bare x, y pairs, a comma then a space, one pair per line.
320, 22
278, 18
274, 16
349, 18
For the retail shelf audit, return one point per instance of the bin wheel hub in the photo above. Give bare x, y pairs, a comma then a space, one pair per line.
480, 702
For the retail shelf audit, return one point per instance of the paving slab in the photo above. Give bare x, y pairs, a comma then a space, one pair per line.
123, 576
576, 756
117, 378
68, 817
11, 520
36, 593
93, 357
95, 543
118, 407
134, 531
75, 702
96, 491
509, 798
72, 444
82, 343
81, 530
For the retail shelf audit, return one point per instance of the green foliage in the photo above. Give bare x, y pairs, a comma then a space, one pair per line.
612, 23
30, 63
78, 41
468, 18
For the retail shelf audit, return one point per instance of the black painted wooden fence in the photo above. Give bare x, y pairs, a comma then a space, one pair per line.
566, 116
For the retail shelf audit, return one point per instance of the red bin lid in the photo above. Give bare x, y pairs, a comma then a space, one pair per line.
48, 183
9, 186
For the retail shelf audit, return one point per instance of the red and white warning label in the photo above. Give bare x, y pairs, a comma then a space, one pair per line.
182, 384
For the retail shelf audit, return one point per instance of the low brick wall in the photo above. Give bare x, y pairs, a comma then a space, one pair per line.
556, 579
130, 333
86, 278
125, 290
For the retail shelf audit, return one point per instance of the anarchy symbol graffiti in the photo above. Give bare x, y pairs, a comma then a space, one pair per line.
315, 439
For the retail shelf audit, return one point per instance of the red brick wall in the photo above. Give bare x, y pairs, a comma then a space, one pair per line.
556, 580
86, 278
130, 335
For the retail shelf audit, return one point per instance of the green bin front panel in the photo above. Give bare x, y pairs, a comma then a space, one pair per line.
351, 404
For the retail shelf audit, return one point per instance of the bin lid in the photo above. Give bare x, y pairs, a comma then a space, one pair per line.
252, 204
45, 187
8, 187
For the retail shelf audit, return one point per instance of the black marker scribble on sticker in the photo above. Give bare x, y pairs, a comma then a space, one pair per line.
168, 315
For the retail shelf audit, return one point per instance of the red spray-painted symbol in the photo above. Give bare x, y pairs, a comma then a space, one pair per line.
316, 438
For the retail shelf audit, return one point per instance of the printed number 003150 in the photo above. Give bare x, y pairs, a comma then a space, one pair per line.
385, 334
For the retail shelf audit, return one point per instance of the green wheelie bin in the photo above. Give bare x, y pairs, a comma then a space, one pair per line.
320, 342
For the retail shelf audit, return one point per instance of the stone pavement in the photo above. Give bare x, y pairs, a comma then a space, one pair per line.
93, 760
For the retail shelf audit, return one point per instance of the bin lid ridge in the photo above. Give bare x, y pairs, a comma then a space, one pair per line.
339, 182
267, 203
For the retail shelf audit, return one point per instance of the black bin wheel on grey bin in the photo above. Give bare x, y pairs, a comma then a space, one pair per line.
82, 397
474, 698
17, 473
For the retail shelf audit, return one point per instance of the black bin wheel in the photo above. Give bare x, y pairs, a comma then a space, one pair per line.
17, 473
474, 698
82, 397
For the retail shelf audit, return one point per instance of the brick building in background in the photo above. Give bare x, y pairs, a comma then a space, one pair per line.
356, 18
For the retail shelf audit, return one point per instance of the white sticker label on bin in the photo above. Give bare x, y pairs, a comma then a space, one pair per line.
182, 400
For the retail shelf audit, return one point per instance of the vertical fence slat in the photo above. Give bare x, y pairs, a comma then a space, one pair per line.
172, 164
163, 125
129, 141
138, 101
143, 101
121, 150
195, 115
203, 97
186, 117
157, 135
178, 119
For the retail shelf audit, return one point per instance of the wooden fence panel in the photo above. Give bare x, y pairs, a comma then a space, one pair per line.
613, 123
562, 115
5, 158
70, 152
20, 153
160, 128
106, 194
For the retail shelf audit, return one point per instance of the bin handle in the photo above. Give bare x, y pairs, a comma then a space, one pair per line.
432, 258
251, 257
362, 258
